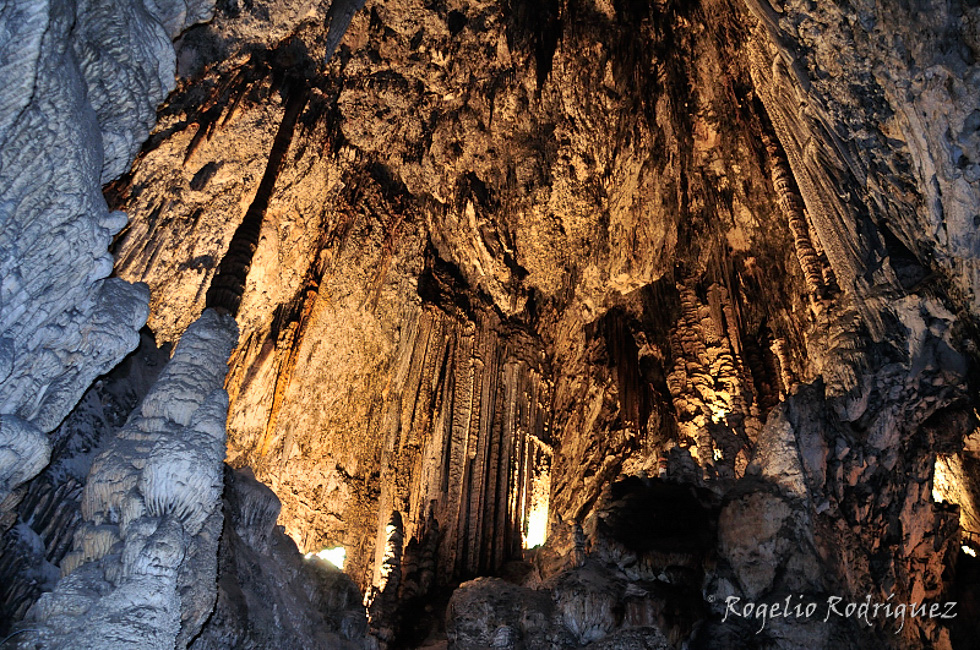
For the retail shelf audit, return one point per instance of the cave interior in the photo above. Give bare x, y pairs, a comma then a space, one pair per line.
465, 324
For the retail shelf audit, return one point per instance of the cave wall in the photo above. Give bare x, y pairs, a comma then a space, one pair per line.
678, 202
539, 186
78, 104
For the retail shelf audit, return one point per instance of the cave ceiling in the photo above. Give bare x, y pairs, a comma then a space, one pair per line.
540, 189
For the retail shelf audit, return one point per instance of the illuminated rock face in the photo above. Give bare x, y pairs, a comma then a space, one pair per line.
462, 289
615, 223
713, 254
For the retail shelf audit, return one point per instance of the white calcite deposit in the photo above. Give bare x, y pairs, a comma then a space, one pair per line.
81, 83
142, 573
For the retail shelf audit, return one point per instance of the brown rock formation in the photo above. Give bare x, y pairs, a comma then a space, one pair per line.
491, 258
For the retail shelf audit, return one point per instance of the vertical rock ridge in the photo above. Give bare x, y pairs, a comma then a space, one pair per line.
228, 284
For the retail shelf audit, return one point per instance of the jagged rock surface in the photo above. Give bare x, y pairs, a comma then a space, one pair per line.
333, 295
49, 508
730, 245
629, 591
269, 596
82, 82
142, 570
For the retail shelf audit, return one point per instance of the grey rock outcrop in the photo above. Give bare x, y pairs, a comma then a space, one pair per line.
24, 451
143, 568
81, 83
490, 613
592, 606
48, 510
269, 596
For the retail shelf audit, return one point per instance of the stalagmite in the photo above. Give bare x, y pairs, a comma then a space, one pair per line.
139, 574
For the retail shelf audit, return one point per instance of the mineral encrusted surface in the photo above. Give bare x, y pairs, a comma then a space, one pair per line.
695, 281
81, 85
143, 566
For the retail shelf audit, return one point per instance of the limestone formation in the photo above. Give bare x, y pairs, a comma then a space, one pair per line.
78, 100
270, 596
144, 558
48, 512
686, 290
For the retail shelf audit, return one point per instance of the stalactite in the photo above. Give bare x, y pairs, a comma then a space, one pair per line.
491, 488
421, 414
825, 171
206, 122
785, 369
518, 481
382, 600
709, 383
792, 205
578, 544
228, 284
463, 455
462, 404
481, 437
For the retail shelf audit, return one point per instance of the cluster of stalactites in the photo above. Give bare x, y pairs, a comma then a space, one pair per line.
713, 398
464, 441
820, 280
381, 599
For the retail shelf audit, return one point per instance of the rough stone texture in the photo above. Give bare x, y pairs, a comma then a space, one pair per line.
636, 639
377, 217
49, 508
756, 542
490, 613
24, 451
82, 82
615, 597
142, 571
895, 127
487, 243
269, 596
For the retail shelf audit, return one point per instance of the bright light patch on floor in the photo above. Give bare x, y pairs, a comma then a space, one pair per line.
334, 556
969, 551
